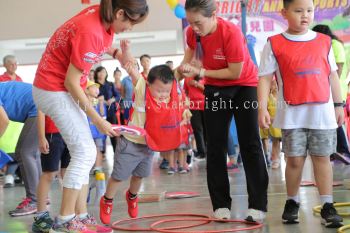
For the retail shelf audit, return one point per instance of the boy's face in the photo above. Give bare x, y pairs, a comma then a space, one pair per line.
299, 14
145, 63
160, 91
93, 91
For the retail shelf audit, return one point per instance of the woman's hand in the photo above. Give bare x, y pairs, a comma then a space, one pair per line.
189, 70
105, 128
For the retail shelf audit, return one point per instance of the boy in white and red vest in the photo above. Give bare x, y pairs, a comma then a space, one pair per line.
309, 108
158, 109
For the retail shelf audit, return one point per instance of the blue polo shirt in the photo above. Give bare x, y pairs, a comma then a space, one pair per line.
17, 100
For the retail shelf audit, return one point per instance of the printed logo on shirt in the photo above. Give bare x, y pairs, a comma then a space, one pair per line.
91, 57
90, 11
219, 55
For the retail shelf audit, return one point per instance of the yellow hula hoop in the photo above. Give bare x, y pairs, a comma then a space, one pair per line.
342, 229
317, 209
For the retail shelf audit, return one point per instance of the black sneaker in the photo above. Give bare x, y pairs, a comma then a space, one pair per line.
330, 217
291, 212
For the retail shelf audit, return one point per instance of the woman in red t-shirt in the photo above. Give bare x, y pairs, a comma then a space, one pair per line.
230, 79
59, 86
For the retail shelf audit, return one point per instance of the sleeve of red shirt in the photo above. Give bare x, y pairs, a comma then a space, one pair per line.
84, 51
190, 38
234, 45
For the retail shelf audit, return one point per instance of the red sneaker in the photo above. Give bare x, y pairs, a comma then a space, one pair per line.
106, 208
133, 208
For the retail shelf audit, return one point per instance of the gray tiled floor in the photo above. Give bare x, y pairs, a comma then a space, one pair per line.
196, 181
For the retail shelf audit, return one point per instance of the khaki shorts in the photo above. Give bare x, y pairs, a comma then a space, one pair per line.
315, 142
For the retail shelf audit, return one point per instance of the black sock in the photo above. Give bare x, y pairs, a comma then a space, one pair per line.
107, 199
131, 195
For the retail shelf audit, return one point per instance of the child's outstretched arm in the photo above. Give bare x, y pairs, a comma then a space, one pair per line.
263, 95
336, 94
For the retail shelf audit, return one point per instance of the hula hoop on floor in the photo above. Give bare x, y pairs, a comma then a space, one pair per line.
200, 217
343, 229
255, 226
317, 209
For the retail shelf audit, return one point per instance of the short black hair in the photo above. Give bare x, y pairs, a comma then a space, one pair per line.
286, 3
162, 73
145, 55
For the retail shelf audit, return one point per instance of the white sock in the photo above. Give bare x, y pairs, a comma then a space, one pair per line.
39, 214
296, 198
83, 216
63, 219
326, 199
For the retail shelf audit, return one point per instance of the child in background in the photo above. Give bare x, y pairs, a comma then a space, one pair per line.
54, 152
274, 133
92, 91
310, 106
154, 111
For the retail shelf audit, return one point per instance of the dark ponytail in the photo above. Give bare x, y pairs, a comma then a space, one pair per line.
135, 10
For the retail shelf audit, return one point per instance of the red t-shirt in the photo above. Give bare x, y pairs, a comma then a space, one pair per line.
226, 45
5, 77
50, 126
82, 41
195, 95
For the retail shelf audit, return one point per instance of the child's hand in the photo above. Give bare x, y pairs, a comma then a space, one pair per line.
44, 146
126, 53
264, 119
131, 69
339, 115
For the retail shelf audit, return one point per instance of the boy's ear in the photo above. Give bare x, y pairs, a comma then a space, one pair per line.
284, 13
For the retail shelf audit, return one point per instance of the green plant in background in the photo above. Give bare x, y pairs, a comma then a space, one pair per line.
337, 23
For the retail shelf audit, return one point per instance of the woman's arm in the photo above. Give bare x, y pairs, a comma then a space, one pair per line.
72, 83
233, 71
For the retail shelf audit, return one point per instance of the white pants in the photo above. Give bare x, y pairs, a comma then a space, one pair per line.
74, 128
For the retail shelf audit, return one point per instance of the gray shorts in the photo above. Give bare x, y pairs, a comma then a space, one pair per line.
131, 159
317, 142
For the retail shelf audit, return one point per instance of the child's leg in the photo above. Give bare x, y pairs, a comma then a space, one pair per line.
181, 158
265, 142
293, 174
135, 184
99, 158
171, 158
323, 175
321, 143
43, 189
276, 149
112, 187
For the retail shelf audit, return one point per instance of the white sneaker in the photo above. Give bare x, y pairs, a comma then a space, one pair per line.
254, 215
9, 181
222, 213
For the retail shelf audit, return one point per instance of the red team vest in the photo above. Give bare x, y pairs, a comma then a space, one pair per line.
304, 68
163, 121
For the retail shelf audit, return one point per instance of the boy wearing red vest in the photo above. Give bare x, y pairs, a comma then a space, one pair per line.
309, 105
157, 109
